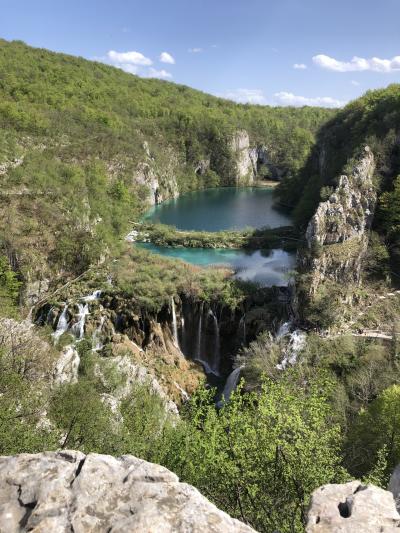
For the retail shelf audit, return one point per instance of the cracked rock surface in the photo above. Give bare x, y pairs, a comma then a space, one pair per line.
71, 492
352, 508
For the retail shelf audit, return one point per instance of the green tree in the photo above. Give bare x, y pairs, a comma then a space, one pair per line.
375, 428
260, 457
9, 288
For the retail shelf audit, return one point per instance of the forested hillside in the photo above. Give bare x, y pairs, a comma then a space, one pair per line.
74, 132
373, 120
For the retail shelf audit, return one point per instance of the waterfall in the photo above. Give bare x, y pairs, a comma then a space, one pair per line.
242, 326
96, 338
283, 330
217, 350
78, 329
92, 297
183, 330
230, 386
174, 323
62, 324
297, 340
199, 331
207, 368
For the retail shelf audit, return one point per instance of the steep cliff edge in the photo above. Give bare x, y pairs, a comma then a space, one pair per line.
69, 491
337, 234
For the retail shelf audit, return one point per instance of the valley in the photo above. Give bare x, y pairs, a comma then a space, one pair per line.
156, 301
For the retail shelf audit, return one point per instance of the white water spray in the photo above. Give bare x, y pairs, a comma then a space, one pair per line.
62, 324
230, 385
296, 343
96, 339
78, 329
242, 327
217, 348
92, 297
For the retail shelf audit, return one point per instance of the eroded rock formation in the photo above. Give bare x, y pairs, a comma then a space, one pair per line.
337, 234
352, 508
68, 491
245, 158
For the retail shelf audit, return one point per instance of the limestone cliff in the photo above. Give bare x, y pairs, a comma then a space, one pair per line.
245, 158
68, 491
337, 234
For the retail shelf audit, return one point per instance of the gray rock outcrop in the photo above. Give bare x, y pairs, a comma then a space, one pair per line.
352, 508
68, 491
337, 234
245, 158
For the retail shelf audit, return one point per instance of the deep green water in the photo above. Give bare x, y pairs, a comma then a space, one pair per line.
220, 209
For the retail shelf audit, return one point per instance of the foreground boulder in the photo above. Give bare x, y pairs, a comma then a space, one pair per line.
352, 508
69, 491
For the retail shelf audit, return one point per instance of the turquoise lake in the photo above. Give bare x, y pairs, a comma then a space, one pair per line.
221, 209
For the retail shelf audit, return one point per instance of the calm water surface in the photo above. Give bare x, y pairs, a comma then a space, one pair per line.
220, 209
266, 268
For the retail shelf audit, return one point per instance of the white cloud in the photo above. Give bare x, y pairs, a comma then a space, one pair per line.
128, 58
285, 98
165, 57
299, 66
245, 96
357, 64
355, 83
195, 50
163, 74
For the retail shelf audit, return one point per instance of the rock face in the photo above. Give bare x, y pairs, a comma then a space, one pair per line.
245, 158
68, 491
337, 234
158, 177
352, 508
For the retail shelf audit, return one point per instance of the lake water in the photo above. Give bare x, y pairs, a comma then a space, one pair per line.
266, 268
222, 209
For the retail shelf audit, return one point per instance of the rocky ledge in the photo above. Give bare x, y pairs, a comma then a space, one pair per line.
69, 491
352, 508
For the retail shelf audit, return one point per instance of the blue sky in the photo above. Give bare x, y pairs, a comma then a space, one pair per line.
263, 51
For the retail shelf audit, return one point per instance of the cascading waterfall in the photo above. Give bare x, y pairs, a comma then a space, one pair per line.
208, 369
62, 324
199, 332
242, 327
96, 339
217, 347
283, 330
174, 323
297, 340
230, 386
92, 297
78, 329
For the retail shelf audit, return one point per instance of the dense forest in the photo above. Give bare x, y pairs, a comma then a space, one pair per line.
73, 133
